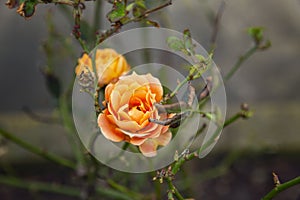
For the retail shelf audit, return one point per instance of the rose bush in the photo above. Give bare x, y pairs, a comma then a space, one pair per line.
109, 65
129, 105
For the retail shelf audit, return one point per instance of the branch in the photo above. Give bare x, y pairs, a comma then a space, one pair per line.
281, 188
59, 189
125, 190
216, 27
39, 118
40, 186
240, 61
71, 131
173, 189
48, 156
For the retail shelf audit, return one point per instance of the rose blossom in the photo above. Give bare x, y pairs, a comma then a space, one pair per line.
109, 65
129, 105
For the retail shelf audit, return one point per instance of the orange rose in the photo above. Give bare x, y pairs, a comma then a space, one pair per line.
130, 104
109, 65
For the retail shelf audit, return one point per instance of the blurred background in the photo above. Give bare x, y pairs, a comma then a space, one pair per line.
241, 164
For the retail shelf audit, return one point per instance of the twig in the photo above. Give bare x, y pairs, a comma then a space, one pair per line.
64, 2
281, 187
125, 190
97, 15
179, 86
48, 156
40, 186
71, 131
216, 27
96, 101
173, 189
58, 188
118, 25
39, 118
240, 61
157, 8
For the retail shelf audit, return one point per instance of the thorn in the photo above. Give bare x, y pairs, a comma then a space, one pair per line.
276, 179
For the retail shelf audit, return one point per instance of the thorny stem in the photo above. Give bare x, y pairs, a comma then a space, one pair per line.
157, 187
64, 2
125, 190
83, 45
179, 86
157, 8
39, 118
242, 114
117, 26
97, 15
176, 166
48, 156
59, 189
96, 100
71, 131
281, 187
240, 61
216, 27
40, 186
173, 189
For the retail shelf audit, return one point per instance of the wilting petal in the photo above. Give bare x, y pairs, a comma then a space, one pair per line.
109, 65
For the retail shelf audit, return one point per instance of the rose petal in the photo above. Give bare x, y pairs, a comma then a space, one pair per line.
137, 141
109, 130
108, 89
148, 148
163, 139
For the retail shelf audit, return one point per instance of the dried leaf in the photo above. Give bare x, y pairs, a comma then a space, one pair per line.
12, 3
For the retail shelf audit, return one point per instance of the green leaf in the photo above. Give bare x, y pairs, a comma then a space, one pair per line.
130, 7
266, 45
138, 11
256, 33
117, 13
27, 8
141, 4
200, 58
175, 43
153, 23
125, 20
188, 42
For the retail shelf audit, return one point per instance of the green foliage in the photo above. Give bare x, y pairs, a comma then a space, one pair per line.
122, 13
26, 8
256, 33
188, 43
175, 43
118, 12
